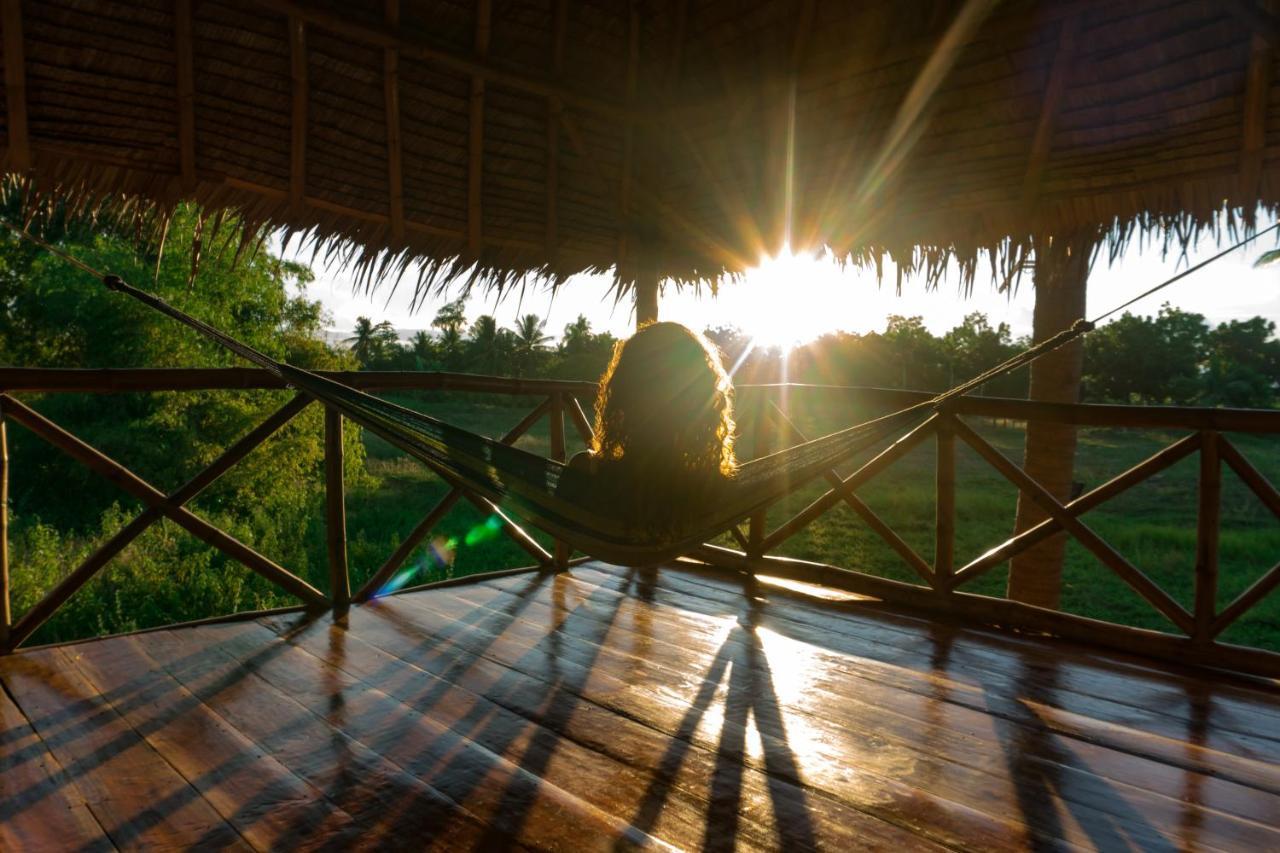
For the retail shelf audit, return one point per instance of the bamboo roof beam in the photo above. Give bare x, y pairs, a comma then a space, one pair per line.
298, 140
629, 137
1260, 21
15, 86
555, 106
475, 142
1063, 58
184, 56
1257, 86
474, 66
395, 153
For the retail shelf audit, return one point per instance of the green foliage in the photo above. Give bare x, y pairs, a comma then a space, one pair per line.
62, 317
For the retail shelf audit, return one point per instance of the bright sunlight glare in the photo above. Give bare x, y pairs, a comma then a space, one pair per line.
793, 297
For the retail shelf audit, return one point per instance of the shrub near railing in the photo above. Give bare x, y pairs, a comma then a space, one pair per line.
943, 569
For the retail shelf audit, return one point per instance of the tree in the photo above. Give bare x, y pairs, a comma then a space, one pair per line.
451, 317
974, 346
423, 348
59, 317
1061, 273
1147, 359
1243, 363
918, 354
530, 342
373, 344
577, 336
489, 347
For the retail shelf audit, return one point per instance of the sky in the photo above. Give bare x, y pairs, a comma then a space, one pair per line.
826, 298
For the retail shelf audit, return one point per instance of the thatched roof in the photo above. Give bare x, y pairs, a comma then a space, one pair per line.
552, 137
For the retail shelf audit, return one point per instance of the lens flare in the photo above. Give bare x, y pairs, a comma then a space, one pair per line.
439, 554
483, 532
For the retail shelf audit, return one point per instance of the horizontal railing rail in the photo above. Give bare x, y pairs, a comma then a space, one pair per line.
942, 584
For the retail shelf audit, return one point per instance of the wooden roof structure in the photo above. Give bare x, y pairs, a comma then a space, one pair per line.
547, 137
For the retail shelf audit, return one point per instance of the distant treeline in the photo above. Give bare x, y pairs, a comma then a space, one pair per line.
1174, 357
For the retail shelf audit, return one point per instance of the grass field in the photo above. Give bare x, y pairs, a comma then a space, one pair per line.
1153, 525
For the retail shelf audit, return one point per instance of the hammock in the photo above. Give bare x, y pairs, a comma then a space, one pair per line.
558, 499
547, 493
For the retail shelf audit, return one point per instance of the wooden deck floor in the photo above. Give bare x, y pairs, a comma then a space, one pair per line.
607, 707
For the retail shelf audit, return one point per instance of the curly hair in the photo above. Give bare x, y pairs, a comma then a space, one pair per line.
666, 403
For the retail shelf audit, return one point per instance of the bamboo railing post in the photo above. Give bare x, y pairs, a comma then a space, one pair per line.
944, 542
336, 511
1207, 532
6, 614
555, 413
759, 446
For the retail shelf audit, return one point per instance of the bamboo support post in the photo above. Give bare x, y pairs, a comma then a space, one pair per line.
6, 614
391, 100
475, 136
758, 520
379, 579
298, 113
336, 511
15, 86
944, 539
113, 471
1208, 527
555, 413
185, 76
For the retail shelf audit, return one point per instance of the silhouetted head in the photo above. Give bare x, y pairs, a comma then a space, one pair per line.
665, 401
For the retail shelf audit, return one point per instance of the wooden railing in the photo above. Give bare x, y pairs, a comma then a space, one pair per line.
556, 401
942, 584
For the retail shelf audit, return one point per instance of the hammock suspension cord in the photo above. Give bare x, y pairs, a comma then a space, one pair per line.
560, 499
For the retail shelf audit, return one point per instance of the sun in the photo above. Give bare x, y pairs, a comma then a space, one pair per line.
781, 302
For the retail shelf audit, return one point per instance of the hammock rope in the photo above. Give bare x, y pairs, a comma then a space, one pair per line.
573, 505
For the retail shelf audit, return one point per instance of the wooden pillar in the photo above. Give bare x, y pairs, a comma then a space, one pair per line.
1061, 273
336, 511
1207, 534
558, 452
6, 615
944, 542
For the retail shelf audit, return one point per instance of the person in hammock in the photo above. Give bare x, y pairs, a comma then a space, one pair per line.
664, 430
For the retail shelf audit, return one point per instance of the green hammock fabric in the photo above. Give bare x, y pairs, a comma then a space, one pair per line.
547, 493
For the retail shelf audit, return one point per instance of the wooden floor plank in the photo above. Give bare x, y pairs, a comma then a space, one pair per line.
40, 804
679, 708
268, 805
1094, 801
396, 810
876, 793
836, 693
1185, 717
1238, 703
138, 798
608, 760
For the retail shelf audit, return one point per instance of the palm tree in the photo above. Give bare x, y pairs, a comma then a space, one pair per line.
423, 347
577, 336
451, 316
371, 342
530, 341
488, 345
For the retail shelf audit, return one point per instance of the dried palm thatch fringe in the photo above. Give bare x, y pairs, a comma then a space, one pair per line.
949, 137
